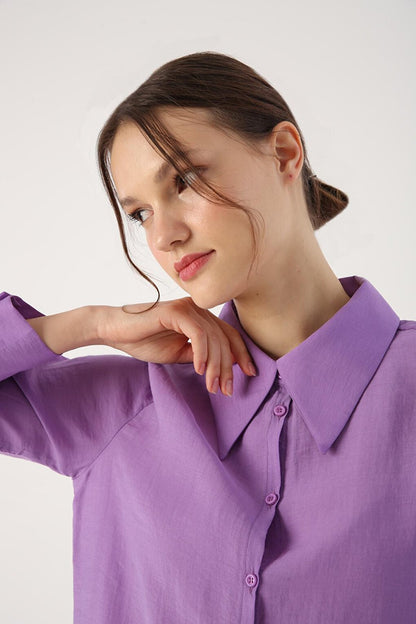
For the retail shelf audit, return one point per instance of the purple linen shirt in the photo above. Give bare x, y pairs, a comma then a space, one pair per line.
293, 501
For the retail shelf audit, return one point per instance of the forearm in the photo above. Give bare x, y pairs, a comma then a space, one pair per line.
68, 330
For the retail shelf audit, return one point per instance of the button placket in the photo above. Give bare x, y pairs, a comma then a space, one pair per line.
274, 406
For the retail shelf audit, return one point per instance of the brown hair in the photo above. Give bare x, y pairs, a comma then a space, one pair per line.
238, 98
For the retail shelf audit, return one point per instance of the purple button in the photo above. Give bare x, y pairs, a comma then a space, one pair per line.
271, 498
279, 410
251, 580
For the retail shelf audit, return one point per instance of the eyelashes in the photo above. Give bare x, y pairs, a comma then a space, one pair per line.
177, 179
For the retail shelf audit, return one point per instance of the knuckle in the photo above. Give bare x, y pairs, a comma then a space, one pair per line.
198, 332
188, 303
236, 335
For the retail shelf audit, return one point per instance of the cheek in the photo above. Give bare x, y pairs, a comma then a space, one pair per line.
160, 257
165, 261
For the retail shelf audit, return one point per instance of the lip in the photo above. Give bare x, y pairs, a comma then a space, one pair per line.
193, 267
186, 260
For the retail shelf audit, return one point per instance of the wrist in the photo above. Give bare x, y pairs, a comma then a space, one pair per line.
68, 330
95, 333
101, 319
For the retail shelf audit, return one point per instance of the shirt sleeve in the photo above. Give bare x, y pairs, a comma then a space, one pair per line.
57, 411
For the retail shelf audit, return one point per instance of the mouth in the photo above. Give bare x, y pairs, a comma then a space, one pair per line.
191, 265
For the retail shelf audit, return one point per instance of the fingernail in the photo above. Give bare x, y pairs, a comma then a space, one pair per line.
215, 385
201, 369
229, 387
251, 368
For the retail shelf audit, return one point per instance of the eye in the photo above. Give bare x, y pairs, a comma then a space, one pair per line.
139, 215
181, 179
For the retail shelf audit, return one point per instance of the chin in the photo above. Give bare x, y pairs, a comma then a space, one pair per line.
204, 302
208, 299
212, 290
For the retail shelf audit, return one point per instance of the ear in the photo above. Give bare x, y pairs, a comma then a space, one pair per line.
287, 149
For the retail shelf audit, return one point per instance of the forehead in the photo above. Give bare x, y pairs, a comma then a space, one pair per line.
193, 127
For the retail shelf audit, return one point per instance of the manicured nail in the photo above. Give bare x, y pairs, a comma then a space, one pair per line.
251, 368
229, 387
215, 385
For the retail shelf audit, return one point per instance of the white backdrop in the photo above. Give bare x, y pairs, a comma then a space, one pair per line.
347, 71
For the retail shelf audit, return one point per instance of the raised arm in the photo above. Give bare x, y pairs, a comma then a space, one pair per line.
62, 412
171, 331
57, 411
68, 330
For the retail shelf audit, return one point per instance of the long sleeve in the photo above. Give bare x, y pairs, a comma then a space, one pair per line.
20, 346
292, 500
58, 411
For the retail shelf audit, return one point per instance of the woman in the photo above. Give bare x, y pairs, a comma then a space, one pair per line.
256, 467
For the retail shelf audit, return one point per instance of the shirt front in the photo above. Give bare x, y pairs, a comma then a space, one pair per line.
292, 501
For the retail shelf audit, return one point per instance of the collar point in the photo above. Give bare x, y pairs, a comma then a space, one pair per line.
324, 447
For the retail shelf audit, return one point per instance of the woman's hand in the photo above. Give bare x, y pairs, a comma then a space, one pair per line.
162, 334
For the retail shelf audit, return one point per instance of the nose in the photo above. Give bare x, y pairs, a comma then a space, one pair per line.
169, 228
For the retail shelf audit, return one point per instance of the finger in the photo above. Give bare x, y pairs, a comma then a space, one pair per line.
197, 332
213, 354
226, 377
212, 378
186, 354
239, 349
199, 342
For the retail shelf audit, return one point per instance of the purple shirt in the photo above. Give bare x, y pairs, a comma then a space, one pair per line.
293, 501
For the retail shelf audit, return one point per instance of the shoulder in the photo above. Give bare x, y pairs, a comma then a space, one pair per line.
115, 379
176, 383
125, 380
406, 326
404, 341
400, 358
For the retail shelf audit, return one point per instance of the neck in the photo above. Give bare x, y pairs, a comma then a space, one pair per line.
282, 312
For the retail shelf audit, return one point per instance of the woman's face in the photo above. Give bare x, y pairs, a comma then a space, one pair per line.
177, 221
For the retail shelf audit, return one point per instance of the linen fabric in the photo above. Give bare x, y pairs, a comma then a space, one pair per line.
291, 502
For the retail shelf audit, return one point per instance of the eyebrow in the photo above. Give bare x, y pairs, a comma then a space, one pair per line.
159, 176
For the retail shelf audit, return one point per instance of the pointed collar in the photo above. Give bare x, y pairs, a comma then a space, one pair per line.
325, 375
